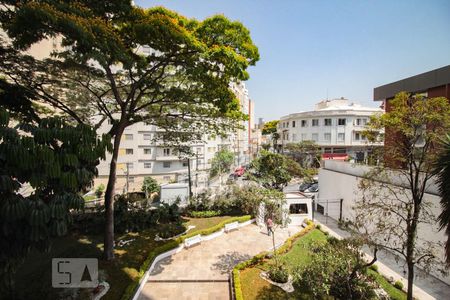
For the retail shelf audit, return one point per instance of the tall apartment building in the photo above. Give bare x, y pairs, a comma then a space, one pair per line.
141, 156
335, 125
242, 138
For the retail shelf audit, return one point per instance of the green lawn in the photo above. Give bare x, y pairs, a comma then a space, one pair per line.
254, 288
33, 280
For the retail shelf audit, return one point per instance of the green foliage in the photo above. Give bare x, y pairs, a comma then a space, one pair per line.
374, 268
278, 273
182, 85
394, 293
221, 162
271, 170
270, 127
150, 186
100, 190
169, 230
398, 285
442, 172
205, 214
306, 153
58, 161
336, 269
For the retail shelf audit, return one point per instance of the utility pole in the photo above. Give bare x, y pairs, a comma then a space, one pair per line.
189, 176
128, 177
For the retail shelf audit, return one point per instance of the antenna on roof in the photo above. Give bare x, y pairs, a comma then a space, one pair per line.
327, 94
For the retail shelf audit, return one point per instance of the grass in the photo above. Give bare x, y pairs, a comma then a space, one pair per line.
394, 293
33, 280
90, 197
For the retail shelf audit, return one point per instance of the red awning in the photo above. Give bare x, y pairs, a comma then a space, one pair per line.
336, 156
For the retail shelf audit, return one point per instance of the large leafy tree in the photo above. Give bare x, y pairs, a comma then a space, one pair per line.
44, 164
127, 64
306, 153
272, 170
442, 171
149, 186
270, 127
393, 206
221, 162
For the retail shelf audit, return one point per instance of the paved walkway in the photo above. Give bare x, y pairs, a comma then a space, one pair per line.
202, 272
426, 286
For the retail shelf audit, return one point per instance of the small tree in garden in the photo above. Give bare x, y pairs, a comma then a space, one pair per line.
306, 153
149, 186
100, 190
337, 269
393, 205
221, 163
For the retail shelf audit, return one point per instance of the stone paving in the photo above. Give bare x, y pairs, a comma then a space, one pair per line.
175, 277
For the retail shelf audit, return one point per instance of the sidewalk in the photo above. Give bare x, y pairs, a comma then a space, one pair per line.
426, 286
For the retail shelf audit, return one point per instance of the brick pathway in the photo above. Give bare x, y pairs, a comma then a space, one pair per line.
208, 263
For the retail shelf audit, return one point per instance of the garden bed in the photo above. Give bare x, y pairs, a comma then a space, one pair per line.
249, 285
123, 274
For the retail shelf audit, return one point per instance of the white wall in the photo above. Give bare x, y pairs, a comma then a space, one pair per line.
340, 180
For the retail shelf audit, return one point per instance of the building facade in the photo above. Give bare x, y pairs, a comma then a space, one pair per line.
141, 156
336, 126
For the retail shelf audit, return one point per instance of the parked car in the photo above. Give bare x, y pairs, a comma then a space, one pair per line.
304, 186
239, 171
313, 188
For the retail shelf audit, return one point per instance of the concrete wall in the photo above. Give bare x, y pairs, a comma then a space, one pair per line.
340, 180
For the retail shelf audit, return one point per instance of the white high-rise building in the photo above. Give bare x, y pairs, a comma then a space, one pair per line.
335, 125
141, 156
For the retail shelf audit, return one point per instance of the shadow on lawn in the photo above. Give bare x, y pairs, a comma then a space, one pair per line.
229, 260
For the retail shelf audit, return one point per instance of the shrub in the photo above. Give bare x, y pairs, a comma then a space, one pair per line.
278, 273
399, 285
205, 214
374, 268
170, 230
99, 191
318, 226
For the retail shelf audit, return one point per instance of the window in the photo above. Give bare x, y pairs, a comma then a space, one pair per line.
166, 164
315, 137
364, 121
185, 163
129, 151
166, 151
315, 122
304, 136
298, 208
327, 122
304, 123
131, 179
147, 165
357, 136
147, 136
109, 122
327, 137
293, 123
128, 137
147, 151
199, 150
358, 122
341, 121
166, 178
130, 166
341, 137
284, 125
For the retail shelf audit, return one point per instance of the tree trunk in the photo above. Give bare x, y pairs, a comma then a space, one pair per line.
108, 251
410, 280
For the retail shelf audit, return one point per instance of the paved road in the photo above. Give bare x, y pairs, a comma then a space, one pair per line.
201, 272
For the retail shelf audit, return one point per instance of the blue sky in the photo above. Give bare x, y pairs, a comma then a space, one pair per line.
341, 48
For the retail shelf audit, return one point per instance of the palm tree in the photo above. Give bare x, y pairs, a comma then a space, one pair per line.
442, 171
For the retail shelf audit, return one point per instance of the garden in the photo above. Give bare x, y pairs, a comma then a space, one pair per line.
316, 266
143, 231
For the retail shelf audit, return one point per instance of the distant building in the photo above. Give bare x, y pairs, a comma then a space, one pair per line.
335, 125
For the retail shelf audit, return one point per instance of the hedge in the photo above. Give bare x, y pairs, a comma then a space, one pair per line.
132, 287
261, 256
205, 214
